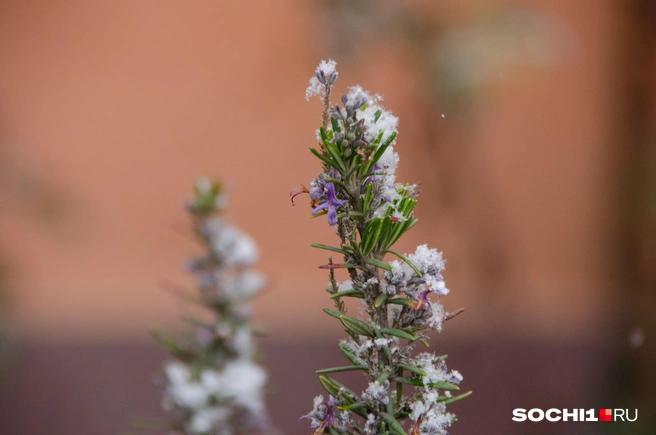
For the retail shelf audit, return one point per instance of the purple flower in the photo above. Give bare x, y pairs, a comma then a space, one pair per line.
319, 186
317, 192
330, 203
323, 414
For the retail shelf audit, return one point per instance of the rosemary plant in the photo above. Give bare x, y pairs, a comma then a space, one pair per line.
212, 384
358, 193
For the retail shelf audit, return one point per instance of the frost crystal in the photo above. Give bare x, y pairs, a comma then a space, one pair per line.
242, 286
377, 392
345, 286
326, 71
232, 246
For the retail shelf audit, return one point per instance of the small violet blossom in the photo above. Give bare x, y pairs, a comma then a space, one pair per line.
330, 203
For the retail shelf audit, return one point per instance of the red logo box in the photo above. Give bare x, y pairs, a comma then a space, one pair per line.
605, 415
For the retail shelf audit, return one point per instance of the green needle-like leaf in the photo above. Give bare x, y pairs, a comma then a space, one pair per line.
328, 248
368, 197
352, 406
356, 326
345, 392
457, 398
402, 301
333, 313
399, 333
349, 355
410, 381
323, 158
444, 386
383, 377
334, 154
335, 123
342, 369
350, 293
413, 369
379, 263
406, 260
371, 236
329, 386
380, 151
380, 300
324, 136
394, 425
337, 181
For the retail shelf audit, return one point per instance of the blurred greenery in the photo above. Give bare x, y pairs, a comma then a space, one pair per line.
456, 53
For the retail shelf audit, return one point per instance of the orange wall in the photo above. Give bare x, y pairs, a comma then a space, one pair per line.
121, 105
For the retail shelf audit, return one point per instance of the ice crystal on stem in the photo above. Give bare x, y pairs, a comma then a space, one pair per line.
211, 383
358, 191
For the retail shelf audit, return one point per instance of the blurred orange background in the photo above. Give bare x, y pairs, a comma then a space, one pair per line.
109, 111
